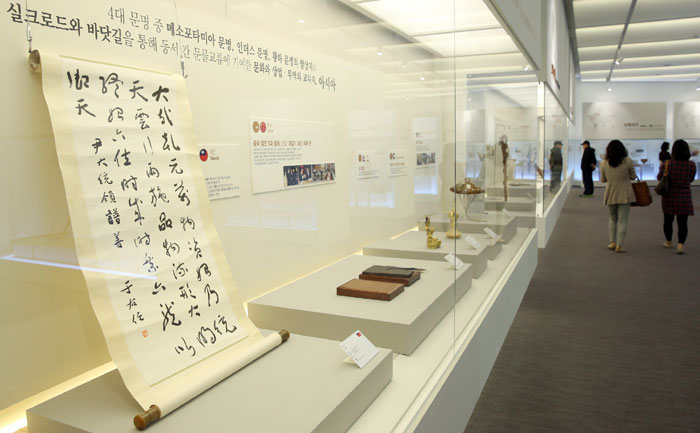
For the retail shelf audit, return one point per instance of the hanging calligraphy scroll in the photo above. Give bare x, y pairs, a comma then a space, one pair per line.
158, 279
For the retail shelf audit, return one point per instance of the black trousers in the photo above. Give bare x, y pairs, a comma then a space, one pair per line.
682, 227
587, 181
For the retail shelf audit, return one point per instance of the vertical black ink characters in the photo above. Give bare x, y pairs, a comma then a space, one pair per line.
157, 287
130, 183
157, 194
171, 248
96, 145
148, 147
165, 222
187, 221
193, 310
127, 287
136, 316
142, 117
111, 80
205, 331
145, 239
152, 171
134, 202
150, 265
132, 303
118, 241
113, 216
108, 197
203, 268
168, 316
182, 192
168, 142
80, 80
210, 292
179, 270
82, 106
160, 93
222, 321
125, 155
164, 116
186, 292
135, 91
116, 111
194, 247
104, 179
102, 162
173, 166
180, 349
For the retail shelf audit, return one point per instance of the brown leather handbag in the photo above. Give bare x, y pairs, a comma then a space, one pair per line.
642, 196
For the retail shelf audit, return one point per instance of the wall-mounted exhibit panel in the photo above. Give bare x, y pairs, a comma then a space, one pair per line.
624, 120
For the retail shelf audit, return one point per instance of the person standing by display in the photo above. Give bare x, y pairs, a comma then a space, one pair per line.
588, 164
555, 165
617, 171
678, 202
664, 155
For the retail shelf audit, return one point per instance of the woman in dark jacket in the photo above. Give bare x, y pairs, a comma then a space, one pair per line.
679, 201
664, 155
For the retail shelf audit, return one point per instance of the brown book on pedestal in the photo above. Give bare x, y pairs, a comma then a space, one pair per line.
407, 281
381, 290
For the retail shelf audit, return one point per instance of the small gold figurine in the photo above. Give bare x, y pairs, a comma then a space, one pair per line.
453, 233
431, 241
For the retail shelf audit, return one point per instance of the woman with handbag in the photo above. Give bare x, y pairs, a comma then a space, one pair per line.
678, 201
617, 171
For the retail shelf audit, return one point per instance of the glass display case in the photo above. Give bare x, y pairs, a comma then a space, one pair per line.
331, 136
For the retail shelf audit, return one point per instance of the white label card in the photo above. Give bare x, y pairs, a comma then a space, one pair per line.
359, 348
473, 242
491, 233
507, 213
454, 260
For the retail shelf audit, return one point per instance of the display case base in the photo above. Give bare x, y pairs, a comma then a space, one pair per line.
310, 305
304, 385
412, 245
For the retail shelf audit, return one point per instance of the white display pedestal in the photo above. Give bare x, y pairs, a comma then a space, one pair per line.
310, 305
436, 388
412, 245
304, 385
499, 223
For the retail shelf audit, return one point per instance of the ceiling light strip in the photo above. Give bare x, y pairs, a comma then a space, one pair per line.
622, 38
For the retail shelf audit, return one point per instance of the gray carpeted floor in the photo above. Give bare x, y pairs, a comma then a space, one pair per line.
602, 342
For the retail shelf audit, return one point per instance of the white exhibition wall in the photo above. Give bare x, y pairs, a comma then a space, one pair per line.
269, 238
667, 93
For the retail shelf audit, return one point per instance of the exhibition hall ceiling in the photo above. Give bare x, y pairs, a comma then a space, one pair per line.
662, 41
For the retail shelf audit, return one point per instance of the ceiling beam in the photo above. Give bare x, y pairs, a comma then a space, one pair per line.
622, 38
569, 12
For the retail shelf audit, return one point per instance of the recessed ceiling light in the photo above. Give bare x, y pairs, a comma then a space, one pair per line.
698, 89
609, 89
422, 78
379, 53
619, 60
526, 68
300, 21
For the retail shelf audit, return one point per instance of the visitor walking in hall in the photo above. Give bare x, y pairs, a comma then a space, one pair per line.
588, 164
617, 171
678, 202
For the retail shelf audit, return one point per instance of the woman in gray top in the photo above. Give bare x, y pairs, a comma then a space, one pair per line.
616, 172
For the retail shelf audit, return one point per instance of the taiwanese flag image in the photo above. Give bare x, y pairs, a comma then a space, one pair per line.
203, 155
358, 334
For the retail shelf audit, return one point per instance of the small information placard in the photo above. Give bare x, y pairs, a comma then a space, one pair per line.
473, 242
359, 348
454, 260
507, 213
491, 233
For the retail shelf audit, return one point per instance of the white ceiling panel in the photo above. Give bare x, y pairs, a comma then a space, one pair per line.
662, 41
588, 12
470, 43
